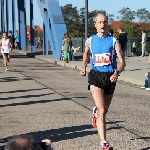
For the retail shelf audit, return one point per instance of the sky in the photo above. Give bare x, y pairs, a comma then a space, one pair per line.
110, 6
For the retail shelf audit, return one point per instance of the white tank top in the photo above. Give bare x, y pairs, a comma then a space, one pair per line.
5, 46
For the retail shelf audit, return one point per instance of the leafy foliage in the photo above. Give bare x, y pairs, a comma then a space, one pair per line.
126, 15
110, 18
129, 29
75, 20
71, 17
143, 15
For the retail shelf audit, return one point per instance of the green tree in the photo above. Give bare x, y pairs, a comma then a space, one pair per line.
75, 20
82, 21
71, 18
110, 18
143, 15
129, 29
126, 15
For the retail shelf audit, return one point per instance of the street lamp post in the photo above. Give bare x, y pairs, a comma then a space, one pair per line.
86, 19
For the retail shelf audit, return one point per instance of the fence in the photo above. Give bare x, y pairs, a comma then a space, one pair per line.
80, 42
35, 43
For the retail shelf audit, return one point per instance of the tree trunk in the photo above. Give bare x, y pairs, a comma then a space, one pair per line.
149, 59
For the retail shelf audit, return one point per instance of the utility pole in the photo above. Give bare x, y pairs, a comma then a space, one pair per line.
31, 26
86, 19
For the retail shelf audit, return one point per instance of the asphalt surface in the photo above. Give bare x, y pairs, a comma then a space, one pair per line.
48, 101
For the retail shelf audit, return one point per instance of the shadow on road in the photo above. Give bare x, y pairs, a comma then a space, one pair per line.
31, 102
147, 148
113, 122
64, 133
26, 96
11, 79
18, 56
22, 91
57, 135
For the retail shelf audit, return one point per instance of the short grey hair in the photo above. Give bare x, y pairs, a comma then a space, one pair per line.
101, 14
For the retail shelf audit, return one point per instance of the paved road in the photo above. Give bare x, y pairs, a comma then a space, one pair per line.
53, 102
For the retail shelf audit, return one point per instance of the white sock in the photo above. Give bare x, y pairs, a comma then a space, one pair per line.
103, 143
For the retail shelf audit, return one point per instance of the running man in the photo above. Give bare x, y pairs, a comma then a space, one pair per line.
5, 49
102, 77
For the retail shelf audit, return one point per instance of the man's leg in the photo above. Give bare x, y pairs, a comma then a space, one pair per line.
148, 78
107, 99
5, 60
68, 56
102, 103
8, 57
148, 82
17, 43
143, 49
37, 44
65, 56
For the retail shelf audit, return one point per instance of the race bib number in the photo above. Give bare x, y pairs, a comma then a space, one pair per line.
102, 59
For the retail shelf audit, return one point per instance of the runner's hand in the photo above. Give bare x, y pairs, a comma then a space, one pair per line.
48, 143
114, 77
10, 48
83, 72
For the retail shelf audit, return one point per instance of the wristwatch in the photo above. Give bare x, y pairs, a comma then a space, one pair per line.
118, 73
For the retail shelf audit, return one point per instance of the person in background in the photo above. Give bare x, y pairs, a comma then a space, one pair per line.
11, 39
39, 42
123, 40
66, 47
29, 38
16, 40
111, 32
147, 82
134, 47
6, 47
143, 43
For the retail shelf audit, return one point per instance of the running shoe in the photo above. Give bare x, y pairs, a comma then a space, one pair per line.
142, 56
6, 69
148, 89
106, 147
110, 148
143, 87
94, 117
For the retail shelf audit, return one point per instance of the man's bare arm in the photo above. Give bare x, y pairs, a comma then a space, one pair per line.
85, 55
120, 56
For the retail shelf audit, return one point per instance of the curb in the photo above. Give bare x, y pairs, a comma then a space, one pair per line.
62, 63
25, 52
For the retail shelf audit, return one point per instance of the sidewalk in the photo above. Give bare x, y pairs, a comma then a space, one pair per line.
134, 71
